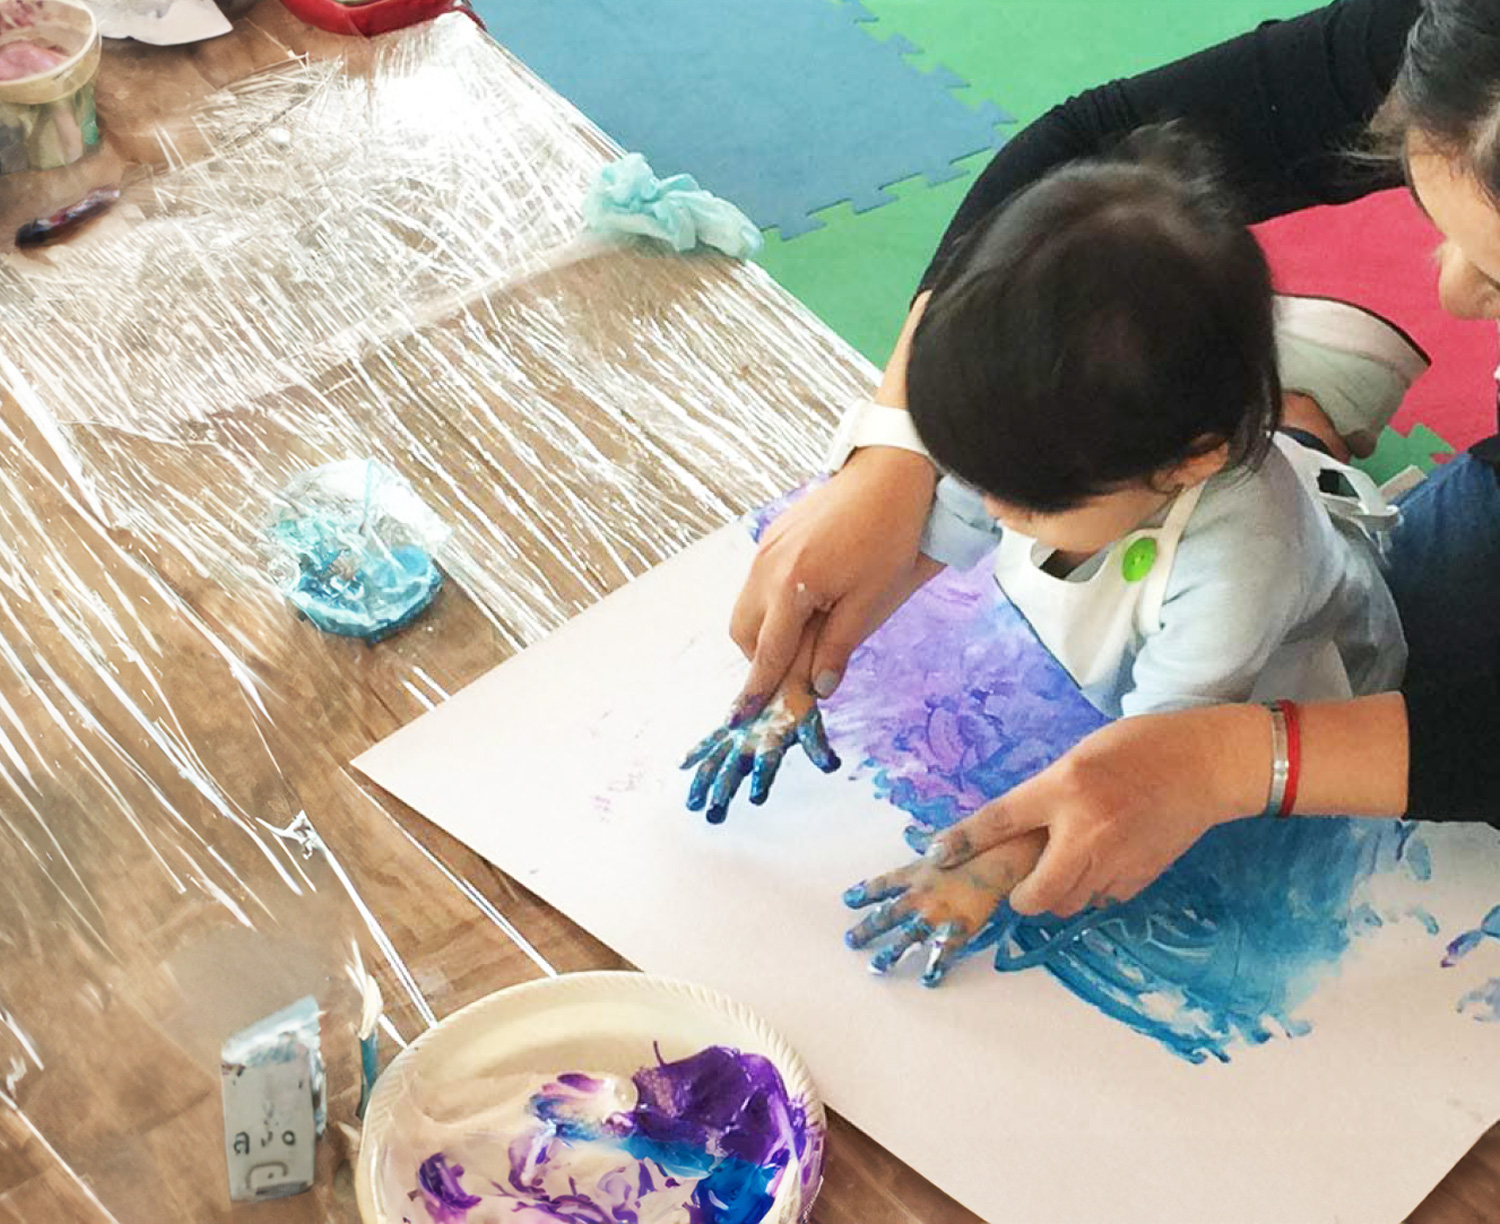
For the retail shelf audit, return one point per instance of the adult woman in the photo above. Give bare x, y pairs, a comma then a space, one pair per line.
1285, 105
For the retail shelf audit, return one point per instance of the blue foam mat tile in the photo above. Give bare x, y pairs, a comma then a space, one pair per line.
782, 106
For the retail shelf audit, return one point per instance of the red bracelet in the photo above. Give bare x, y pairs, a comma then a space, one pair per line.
1286, 770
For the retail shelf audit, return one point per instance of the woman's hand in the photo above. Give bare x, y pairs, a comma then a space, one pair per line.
923, 902
1123, 805
845, 552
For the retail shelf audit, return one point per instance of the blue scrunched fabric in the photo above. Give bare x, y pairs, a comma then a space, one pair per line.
628, 198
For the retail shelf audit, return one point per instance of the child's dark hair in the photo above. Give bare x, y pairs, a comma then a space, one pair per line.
1111, 320
1447, 89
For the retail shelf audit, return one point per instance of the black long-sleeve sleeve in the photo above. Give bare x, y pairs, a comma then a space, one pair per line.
1454, 737
1282, 105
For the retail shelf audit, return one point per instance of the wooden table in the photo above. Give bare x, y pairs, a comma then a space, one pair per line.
575, 418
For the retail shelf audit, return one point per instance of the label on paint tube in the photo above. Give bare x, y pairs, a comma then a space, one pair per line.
272, 1076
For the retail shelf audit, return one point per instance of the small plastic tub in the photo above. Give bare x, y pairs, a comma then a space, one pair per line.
49, 57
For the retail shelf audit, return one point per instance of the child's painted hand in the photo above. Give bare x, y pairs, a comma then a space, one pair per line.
751, 743
923, 903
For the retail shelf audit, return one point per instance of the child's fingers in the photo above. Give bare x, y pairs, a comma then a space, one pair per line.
704, 746
915, 930
885, 918
708, 770
763, 774
880, 888
734, 771
949, 942
814, 740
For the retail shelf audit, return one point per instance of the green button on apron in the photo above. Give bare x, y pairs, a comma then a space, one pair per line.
1138, 560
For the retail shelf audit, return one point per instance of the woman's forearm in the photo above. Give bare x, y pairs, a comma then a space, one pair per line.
1354, 757
892, 389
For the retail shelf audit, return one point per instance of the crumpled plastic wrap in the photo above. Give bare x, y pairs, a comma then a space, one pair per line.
374, 255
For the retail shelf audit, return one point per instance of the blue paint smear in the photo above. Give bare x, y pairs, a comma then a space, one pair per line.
954, 702
1466, 942
1483, 1002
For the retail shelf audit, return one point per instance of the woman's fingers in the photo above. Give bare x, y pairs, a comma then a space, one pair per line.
998, 821
847, 624
778, 639
1059, 884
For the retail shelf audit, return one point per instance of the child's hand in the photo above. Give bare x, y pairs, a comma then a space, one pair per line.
923, 902
751, 743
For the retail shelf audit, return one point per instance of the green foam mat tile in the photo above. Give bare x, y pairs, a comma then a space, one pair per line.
1395, 452
857, 271
1028, 55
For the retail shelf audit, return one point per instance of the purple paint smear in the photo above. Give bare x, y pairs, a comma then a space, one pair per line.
1469, 940
719, 1119
1483, 1002
447, 1201
721, 1102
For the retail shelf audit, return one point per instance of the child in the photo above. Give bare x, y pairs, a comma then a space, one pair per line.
1098, 377
1097, 374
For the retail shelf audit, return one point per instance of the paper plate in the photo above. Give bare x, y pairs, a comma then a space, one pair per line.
609, 1023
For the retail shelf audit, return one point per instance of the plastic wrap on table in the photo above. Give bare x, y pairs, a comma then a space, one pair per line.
376, 255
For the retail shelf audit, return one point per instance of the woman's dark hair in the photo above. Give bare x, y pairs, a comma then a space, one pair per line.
1111, 320
1448, 88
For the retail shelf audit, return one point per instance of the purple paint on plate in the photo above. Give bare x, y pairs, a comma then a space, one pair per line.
718, 1127
447, 1201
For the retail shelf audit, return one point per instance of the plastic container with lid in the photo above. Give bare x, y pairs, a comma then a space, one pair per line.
49, 57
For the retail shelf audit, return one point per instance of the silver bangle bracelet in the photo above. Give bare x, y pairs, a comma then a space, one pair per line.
1281, 765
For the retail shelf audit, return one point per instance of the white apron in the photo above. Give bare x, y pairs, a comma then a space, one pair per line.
1090, 624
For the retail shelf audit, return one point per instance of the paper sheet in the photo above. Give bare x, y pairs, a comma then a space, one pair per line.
1010, 1092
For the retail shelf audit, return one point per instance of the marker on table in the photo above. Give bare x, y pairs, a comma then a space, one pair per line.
47, 229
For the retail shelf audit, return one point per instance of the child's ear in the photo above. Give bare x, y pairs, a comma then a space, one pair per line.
1196, 469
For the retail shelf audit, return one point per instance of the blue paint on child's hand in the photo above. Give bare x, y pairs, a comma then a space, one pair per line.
752, 743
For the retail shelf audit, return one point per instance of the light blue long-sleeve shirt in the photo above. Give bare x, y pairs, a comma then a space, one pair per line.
1261, 569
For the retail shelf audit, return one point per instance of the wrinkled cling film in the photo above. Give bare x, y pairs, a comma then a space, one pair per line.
375, 255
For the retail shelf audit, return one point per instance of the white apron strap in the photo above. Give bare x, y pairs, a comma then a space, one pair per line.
1154, 593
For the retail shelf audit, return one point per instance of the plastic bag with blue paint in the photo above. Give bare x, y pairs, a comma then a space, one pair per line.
353, 549
627, 198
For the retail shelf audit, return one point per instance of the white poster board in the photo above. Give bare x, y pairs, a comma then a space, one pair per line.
1010, 1091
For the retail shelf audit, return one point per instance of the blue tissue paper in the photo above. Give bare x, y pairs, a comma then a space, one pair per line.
628, 198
